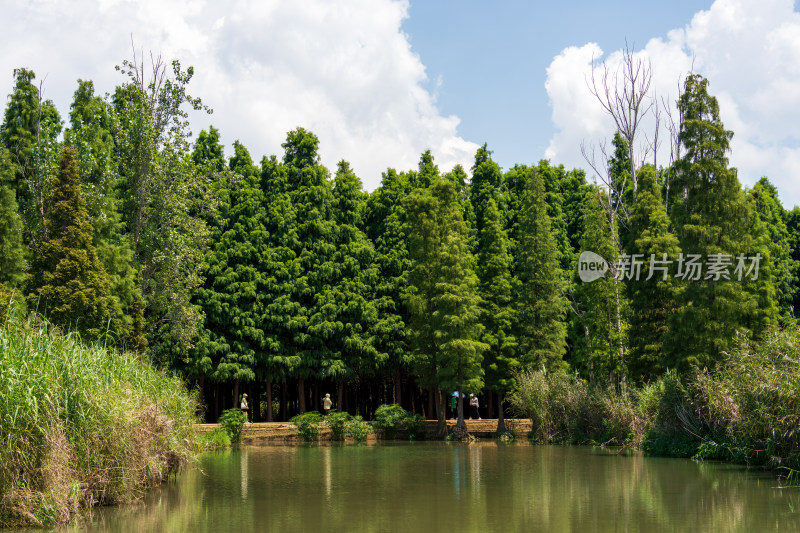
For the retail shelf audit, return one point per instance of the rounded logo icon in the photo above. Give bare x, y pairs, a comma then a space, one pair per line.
591, 266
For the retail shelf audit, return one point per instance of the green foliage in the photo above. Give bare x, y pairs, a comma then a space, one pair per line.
388, 419
652, 301
215, 440
307, 425
69, 284
70, 412
339, 422
413, 423
12, 249
540, 304
232, 421
358, 430
711, 216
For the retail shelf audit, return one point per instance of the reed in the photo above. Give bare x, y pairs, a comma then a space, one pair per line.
82, 425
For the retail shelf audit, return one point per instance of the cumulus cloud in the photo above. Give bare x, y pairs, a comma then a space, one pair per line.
749, 52
343, 69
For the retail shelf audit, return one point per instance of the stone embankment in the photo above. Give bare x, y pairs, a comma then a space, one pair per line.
285, 432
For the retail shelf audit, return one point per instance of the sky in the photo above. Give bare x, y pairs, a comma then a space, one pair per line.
380, 81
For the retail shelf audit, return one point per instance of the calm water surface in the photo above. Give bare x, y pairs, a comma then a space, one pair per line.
459, 488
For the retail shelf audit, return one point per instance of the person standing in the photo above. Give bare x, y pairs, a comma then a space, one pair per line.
326, 404
473, 407
245, 408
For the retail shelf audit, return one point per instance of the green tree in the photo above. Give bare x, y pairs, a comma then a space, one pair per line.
654, 295
354, 354
764, 197
442, 294
166, 198
12, 249
711, 216
793, 227
92, 121
29, 132
69, 284
596, 337
540, 303
385, 219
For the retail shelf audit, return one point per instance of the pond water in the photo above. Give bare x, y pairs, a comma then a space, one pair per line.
485, 486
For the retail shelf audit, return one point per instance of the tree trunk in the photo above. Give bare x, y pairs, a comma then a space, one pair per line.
284, 407
430, 404
441, 425
340, 396
216, 401
269, 400
399, 388
490, 404
501, 421
236, 394
301, 394
315, 397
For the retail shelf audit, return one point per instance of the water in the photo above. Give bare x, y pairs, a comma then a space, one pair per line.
482, 487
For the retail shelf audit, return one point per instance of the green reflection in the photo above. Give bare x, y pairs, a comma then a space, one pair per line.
485, 486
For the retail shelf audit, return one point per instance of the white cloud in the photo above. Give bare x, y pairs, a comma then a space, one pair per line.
343, 69
749, 52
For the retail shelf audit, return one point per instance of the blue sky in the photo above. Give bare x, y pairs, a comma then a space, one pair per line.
486, 63
380, 81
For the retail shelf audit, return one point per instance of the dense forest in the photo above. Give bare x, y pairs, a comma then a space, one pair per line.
286, 280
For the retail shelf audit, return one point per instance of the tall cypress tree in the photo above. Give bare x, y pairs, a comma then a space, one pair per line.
385, 219
793, 227
540, 304
30, 132
12, 249
711, 216
764, 198
653, 300
442, 294
69, 284
353, 351
596, 338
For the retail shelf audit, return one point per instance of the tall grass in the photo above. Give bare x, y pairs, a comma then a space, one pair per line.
746, 410
82, 426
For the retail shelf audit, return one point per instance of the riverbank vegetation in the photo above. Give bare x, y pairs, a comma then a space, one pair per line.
82, 425
744, 410
284, 279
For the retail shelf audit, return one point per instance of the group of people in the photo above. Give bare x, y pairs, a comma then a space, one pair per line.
327, 403
473, 406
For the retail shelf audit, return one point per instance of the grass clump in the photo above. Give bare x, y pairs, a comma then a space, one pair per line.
82, 425
212, 441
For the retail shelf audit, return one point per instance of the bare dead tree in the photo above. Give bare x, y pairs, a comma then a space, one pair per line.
624, 95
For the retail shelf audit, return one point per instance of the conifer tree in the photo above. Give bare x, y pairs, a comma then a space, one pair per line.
764, 197
711, 216
596, 338
230, 295
12, 249
91, 123
69, 284
442, 294
497, 291
353, 353
310, 193
654, 295
30, 132
385, 218
540, 304
793, 227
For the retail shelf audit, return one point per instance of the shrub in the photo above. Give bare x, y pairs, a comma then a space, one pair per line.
388, 419
232, 421
412, 424
338, 422
307, 425
358, 429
